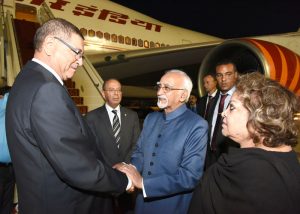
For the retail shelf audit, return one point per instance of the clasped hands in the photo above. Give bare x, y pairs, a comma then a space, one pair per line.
132, 174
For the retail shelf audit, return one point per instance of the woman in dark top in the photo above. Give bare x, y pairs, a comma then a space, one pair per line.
264, 175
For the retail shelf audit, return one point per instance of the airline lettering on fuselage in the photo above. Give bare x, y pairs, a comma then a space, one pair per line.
90, 11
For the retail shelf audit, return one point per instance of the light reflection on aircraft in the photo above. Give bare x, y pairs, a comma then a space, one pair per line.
135, 48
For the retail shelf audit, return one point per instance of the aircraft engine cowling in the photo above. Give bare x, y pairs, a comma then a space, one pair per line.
274, 61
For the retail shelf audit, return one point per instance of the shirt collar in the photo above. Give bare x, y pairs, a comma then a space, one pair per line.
231, 91
49, 69
180, 110
109, 108
213, 94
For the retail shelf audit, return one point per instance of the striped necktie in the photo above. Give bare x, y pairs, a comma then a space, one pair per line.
116, 127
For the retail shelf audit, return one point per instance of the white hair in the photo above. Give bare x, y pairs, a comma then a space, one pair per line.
187, 82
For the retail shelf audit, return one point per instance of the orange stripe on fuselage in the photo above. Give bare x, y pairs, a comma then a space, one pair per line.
284, 68
295, 81
268, 58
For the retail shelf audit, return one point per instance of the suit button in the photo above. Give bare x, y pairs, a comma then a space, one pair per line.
149, 173
156, 145
153, 154
151, 163
159, 135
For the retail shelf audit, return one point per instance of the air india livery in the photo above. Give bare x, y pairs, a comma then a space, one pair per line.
136, 49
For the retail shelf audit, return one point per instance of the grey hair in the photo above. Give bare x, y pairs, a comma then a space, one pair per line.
55, 27
187, 83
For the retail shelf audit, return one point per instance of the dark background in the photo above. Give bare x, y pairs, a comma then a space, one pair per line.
225, 19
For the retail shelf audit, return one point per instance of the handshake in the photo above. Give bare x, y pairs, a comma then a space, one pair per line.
132, 173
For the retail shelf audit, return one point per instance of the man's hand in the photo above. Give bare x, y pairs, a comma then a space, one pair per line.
132, 174
119, 166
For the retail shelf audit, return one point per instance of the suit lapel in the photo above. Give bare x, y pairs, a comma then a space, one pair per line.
124, 115
104, 118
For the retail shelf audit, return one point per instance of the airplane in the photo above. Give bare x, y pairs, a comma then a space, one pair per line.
136, 49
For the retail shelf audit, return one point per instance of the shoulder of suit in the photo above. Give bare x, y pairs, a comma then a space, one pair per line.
126, 110
96, 111
203, 98
193, 117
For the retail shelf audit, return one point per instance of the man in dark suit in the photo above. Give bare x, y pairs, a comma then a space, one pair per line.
227, 76
57, 167
205, 102
101, 122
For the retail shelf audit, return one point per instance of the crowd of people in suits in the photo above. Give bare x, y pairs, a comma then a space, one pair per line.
230, 153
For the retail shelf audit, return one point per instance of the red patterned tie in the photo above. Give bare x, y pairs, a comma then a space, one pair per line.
219, 119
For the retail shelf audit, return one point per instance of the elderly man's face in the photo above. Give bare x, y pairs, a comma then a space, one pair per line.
171, 93
65, 60
112, 93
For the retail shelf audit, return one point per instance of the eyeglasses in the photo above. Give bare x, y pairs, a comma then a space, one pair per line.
77, 51
166, 88
112, 91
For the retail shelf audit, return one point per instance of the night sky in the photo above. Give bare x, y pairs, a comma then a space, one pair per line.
225, 19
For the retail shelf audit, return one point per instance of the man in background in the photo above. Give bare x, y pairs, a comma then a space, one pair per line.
205, 102
7, 178
227, 75
193, 103
116, 129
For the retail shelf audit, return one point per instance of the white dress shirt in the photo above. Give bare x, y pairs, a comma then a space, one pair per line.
229, 94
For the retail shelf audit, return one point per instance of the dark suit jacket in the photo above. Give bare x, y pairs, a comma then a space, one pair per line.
52, 148
202, 105
98, 121
222, 142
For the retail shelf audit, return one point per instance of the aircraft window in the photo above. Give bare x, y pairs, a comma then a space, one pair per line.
127, 40
99, 34
140, 43
146, 44
83, 31
91, 33
114, 38
121, 39
134, 42
106, 36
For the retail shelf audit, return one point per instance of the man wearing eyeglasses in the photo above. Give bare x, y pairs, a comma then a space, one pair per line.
169, 159
114, 150
57, 165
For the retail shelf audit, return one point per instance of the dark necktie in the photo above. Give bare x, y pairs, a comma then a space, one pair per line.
116, 127
210, 99
218, 121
